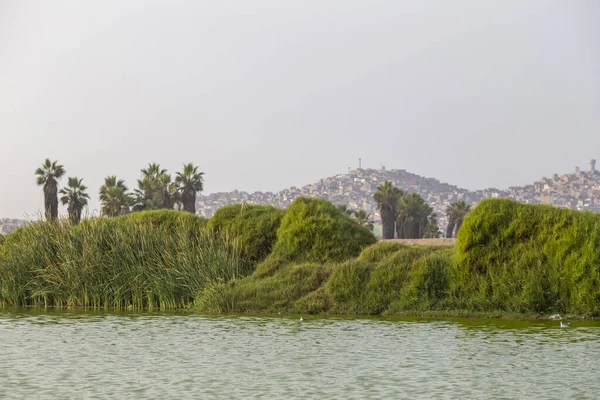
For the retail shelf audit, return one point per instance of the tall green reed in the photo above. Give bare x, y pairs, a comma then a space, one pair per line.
115, 262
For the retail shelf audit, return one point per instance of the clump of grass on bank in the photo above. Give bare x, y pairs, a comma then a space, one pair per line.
527, 259
253, 226
406, 278
315, 230
153, 259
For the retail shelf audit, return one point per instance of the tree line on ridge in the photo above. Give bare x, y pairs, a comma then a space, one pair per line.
156, 190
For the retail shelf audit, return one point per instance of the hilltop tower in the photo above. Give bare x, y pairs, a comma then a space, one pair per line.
360, 163
592, 166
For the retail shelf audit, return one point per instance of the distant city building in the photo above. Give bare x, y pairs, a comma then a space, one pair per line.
579, 191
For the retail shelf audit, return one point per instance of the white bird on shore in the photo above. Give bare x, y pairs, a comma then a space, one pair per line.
565, 324
555, 316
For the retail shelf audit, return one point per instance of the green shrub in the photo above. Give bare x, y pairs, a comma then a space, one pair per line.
255, 227
2, 239
528, 258
316, 230
136, 260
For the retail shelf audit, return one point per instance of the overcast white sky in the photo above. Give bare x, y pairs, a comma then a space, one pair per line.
264, 95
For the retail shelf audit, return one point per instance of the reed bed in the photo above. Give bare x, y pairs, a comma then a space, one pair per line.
128, 262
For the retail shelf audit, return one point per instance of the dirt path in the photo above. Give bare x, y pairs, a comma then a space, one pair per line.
425, 242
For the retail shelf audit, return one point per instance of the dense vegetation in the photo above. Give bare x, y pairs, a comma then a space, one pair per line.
522, 258
311, 258
164, 258
510, 258
386, 278
154, 259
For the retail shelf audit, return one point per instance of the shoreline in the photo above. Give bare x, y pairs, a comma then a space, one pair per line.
433, 314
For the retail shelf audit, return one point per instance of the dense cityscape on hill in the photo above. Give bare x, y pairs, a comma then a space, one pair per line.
579, 190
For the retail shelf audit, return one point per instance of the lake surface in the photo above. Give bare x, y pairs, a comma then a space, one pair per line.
78, 355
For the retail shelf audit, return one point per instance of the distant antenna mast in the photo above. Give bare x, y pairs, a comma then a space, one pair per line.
360, 163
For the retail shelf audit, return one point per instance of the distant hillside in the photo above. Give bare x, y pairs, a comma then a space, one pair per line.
579, 190
354, 189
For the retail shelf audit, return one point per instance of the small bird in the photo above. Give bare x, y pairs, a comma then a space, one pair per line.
302, 319
565, 324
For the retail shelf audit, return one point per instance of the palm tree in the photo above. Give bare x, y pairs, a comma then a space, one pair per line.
456, 213
114, 198
151, 188
48, 175
364, 219
153, 171
412, 216
168, 190
75, 196
189, 184
387, 197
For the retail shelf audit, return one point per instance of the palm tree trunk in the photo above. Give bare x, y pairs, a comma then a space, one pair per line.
189, 202
167, 200
387, 220
450, 229
76, 217
51, 201
400, 228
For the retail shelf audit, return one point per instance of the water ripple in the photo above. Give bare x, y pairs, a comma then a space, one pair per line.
133, 356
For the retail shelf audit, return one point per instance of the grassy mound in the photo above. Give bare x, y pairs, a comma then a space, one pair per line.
404, 279
255, 227
529, 258
315, 230
153, 259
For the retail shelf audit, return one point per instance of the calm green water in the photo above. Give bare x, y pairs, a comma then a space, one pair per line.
173, 356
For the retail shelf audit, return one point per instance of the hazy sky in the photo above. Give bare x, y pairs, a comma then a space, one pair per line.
264, 95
